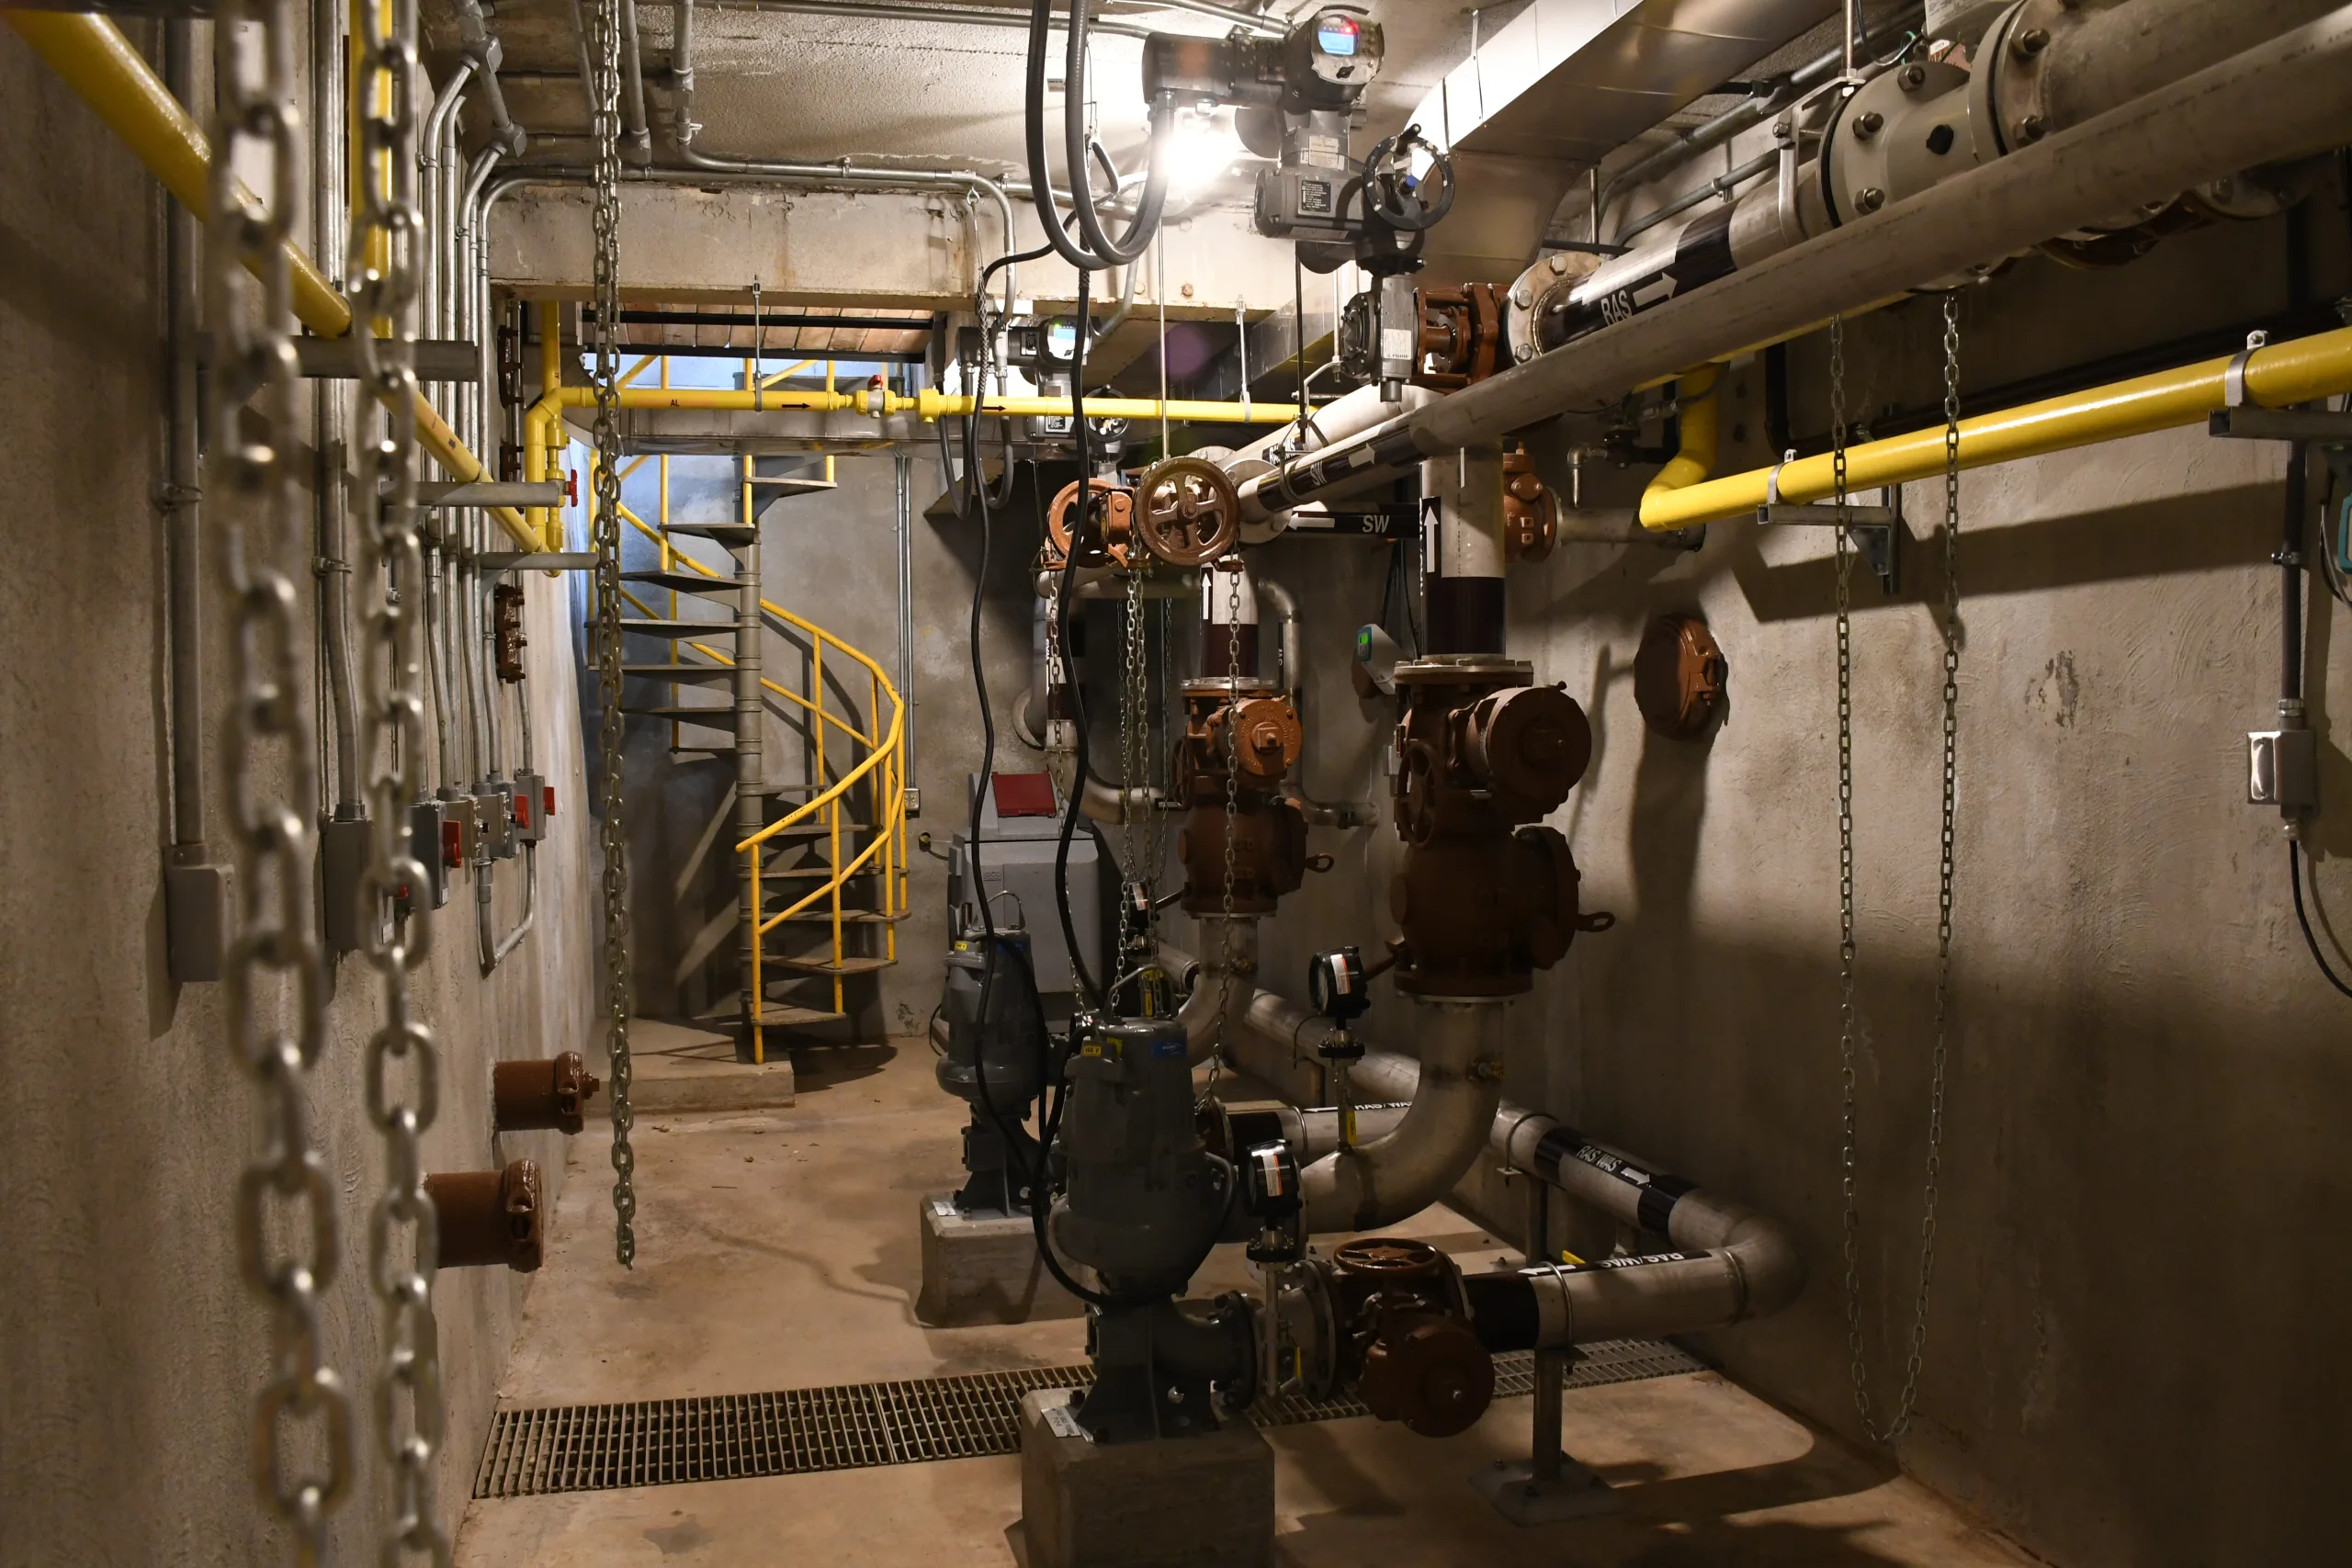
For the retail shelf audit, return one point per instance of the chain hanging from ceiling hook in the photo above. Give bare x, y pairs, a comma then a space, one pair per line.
607, 542
1230, 567
274, 978
388, 231
1906, 1402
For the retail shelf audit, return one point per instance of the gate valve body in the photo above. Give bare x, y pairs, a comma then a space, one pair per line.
1405, 1336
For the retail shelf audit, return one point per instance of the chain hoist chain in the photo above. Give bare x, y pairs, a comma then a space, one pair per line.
1906, 1402
270, 750
1134, 924
403, 1239
607, 541
1231, 568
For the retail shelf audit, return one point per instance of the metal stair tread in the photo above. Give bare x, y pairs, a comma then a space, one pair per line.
679, 672
820, 872
771, 1017
688, 581
848, 918
714, 716
680, 628
725, 533
827, 967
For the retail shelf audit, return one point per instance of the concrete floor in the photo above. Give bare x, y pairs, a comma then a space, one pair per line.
777, 1249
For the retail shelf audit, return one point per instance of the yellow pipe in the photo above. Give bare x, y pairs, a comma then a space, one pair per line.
543, 422
90, 55
2300, 371
1696, 459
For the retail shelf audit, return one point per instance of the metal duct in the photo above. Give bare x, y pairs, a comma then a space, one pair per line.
1561, 87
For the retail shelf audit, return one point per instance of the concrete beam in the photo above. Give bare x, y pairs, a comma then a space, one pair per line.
919, 250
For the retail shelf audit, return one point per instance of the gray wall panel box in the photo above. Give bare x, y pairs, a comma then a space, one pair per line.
460, 808
344, 846
532, 790
424, 820
500, 805
196, 916
1017, 857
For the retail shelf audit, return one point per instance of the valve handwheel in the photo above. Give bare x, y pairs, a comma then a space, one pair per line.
1187, 511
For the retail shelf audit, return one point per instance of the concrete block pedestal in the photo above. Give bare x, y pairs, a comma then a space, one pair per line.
1206, 1502
984, 1269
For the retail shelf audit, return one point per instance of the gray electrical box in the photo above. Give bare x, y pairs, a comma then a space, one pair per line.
1017, 858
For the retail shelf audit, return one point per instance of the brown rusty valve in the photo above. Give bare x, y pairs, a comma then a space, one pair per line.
1266, 738
1409, 1346
1531, 516
489, 1218
1678, 676
541, 1096
1111, 543
1530, 744
1187, 511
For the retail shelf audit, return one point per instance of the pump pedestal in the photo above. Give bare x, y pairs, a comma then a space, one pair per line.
983, 1268
1192, 1502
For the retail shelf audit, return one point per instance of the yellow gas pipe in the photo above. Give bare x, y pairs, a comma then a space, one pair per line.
1696, 459
90, 54
2302, 371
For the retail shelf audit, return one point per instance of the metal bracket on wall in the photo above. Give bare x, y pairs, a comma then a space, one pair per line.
1877, 531
2280, 424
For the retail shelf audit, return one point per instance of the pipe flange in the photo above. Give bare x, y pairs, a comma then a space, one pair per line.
1903, 132
1533, 294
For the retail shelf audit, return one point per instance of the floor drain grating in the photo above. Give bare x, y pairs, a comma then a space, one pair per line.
730, 1437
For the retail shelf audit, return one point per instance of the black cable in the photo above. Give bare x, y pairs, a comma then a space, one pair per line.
2310, 938
1082, 511
1106, 253
1049, 1099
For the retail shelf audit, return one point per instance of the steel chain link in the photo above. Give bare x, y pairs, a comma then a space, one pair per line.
607, 542
1907, 1403
404, 1237
1132, 923
1231, 567
270, 749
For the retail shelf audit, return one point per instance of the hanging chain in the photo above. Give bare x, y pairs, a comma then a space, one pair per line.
607, 541
1134, 924
1231, 568
386, 233
269, 748
1907, 1403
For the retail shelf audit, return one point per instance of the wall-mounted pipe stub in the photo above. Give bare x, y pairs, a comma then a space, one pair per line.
490, 1218
541, 1096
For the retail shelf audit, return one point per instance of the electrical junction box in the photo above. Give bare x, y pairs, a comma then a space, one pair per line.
2282, 769
1016, 857
458, 812
531, 807
195, 921
424, 824
345, 845
496, 807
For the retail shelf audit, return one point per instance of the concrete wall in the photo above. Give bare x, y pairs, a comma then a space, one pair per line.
133, 1354
2132, 1352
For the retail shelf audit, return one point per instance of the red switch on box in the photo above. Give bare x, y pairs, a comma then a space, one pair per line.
523, 811
453, 845
547, 807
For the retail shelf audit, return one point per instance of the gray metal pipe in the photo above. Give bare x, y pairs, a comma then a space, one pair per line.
640, 134
474, 36
587, 66
848, 176
1224, 982
1454, 1092
1714, 132
182, 491
958, 15
2276, 99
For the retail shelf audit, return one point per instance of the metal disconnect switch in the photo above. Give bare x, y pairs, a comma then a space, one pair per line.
2282, 765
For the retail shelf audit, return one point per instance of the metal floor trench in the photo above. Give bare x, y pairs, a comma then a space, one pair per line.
778, 1252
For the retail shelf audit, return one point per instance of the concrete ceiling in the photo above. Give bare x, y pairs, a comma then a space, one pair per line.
779, 84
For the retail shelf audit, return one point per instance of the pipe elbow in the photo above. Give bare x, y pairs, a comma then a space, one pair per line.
1224, 982
1770, 1271
1700, 419
1113, 807
1454, 1099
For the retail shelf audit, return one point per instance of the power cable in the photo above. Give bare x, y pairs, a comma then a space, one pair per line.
2310, 938
1099, 250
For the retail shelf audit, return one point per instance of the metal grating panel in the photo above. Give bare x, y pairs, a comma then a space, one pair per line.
660, 1442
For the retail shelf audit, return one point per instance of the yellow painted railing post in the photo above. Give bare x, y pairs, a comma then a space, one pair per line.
758, 941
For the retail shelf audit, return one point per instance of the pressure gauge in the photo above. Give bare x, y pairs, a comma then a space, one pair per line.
1336, 984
